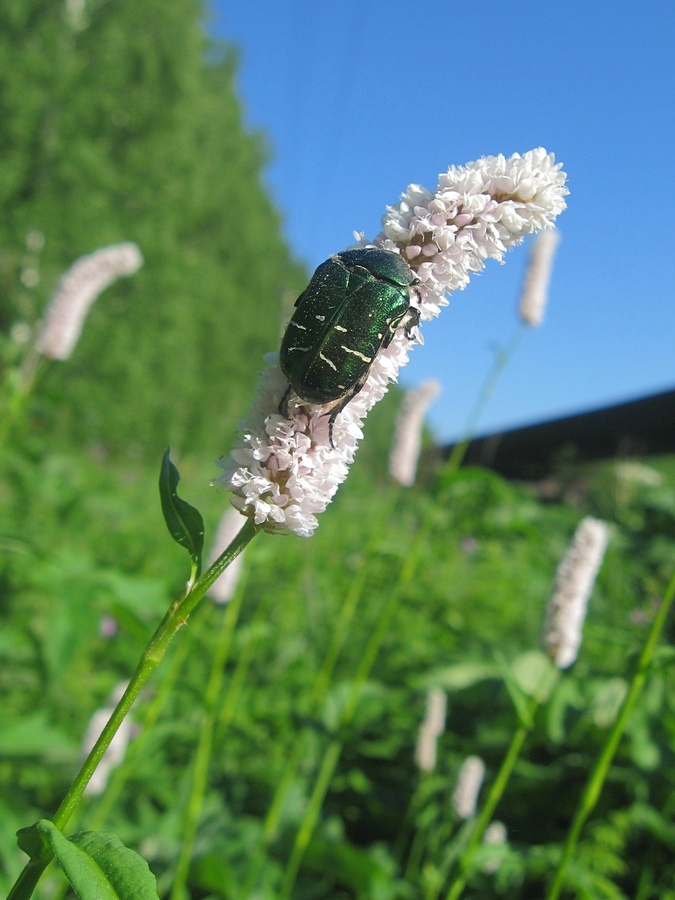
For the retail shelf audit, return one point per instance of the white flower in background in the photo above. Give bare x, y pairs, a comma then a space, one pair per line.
284, 471
638, 473
469, 783
431, 729
495, 833
405, 452
114, 755
223, 587
30, 276
35, 240
77, 290
574, 582
20, 333
495, 836
535, 290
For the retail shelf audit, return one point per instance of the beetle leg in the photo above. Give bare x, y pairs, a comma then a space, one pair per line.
335, 412
283, 403
412, 321
409, 320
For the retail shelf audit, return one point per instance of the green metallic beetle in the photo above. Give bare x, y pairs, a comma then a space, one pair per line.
351, 309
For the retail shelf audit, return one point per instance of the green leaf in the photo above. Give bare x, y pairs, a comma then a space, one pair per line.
535, 674
184, 522
663, 657
33, 842
97, 864
608, 701
458, 677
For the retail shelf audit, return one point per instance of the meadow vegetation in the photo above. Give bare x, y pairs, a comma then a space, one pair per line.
273, 752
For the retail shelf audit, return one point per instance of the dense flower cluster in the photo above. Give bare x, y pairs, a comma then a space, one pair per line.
284, 470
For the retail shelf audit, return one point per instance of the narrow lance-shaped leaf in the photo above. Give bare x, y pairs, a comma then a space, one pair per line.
184, 522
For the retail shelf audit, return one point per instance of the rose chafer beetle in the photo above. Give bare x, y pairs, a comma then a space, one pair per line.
351, 309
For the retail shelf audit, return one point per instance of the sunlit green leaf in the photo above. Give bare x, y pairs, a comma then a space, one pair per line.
97, 864
184, 522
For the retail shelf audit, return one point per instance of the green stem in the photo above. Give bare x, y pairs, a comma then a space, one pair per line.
306, 830
319, 691
407, 825
205, 743
416, 855
175, 618
332, 754
487, 390
493, 798
19, 389
499, 784
598, 776
137, 746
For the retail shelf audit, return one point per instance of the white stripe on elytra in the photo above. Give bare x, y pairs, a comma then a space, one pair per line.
357, 353
325, 359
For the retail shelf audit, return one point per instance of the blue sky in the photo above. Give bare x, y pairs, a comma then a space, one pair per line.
360, 99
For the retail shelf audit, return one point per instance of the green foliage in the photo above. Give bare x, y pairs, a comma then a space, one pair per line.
98, 865
120, 122
469, 622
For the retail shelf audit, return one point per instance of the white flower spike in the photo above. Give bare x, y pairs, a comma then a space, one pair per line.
431, 729
469, 783
76, 292
407, 444
223, 588
535, 290
284, 470
566, 611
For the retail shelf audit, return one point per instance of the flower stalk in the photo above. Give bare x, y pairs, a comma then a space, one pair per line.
598, 776
565, 617
176, 616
